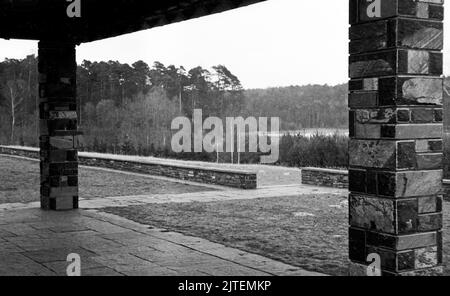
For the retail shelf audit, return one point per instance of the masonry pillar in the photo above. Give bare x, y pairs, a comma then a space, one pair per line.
58, 125
395, 100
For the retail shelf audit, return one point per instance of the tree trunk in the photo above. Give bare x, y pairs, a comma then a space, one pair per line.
181, 106
13, 115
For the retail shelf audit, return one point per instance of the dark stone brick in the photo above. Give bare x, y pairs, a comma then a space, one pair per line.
386, 184
58, 91
362, 99
62, 124
372, 154
64, 203
59, 169
406, 155
59, 156
436, 12
75, 202
367, 131
407, 211
422, 115
371, 182
63, 181
387, 92
357, 245
418, 183
403, 115
376, 116
372, 213
438, 115
429, 204
352, 124
72, 155
416, 91
429, 161
436, 146
406, 260
430, 222
381, 240
355, 85
72, 181
357, 181
439, 200
388, 131
45, 203
419, 131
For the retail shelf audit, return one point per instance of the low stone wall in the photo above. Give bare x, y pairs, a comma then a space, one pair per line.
325, 177
24, 152
208, 175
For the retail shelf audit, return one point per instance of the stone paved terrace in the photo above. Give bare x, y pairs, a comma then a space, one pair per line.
35, 242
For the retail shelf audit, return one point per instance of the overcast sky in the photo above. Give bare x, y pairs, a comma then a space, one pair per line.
274, 43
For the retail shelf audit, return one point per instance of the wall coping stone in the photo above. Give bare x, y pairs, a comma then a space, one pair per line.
143, 160
329, 171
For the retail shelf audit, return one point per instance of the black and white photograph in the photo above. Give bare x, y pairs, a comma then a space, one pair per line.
246, 140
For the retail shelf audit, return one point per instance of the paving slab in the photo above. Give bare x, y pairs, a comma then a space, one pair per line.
114, 246
17, 264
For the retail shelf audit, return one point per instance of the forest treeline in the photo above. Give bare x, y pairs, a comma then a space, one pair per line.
129, 108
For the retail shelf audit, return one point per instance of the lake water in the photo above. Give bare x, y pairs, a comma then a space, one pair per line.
309, 132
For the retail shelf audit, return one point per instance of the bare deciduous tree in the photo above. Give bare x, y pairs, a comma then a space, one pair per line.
14, 93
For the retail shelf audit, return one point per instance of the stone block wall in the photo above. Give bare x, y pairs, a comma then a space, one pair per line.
215, 176
396, 128
58, 125
325, 177
19, 151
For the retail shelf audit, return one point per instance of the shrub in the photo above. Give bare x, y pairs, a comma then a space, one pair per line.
316, 151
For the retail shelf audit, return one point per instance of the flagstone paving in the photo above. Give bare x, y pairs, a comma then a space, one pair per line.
35, 242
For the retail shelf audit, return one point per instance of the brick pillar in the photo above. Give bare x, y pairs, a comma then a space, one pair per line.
395, 100
58, 125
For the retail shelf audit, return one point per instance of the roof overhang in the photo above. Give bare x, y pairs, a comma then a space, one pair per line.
49, 20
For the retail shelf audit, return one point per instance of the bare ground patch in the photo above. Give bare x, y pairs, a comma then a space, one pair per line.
306, 231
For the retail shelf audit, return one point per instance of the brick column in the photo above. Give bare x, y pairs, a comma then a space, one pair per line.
396, 130
58, 125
